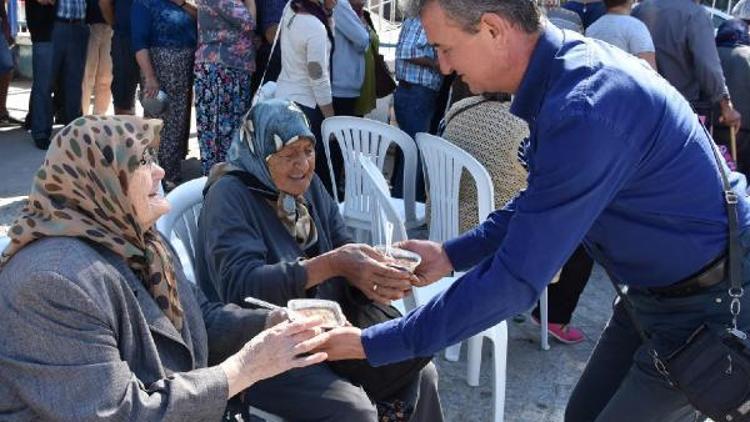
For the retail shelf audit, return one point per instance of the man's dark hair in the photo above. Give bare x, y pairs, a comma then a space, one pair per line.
614, 3
523, 14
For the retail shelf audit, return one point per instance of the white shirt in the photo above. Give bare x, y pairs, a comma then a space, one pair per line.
305, 60
623, 31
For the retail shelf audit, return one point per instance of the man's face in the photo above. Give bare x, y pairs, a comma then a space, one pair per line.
479, 58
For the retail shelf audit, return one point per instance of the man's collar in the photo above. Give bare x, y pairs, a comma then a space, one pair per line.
526, 101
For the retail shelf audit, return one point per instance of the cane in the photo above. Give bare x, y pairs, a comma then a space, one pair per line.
733, 144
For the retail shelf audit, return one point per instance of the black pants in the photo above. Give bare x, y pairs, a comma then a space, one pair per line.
563, 295
345, 106
315, 117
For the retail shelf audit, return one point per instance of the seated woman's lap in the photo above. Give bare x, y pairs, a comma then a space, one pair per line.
314, 393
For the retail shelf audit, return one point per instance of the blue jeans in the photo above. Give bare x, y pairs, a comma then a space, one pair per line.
588, 12
620, 382
414, 106
69, 46
41, 86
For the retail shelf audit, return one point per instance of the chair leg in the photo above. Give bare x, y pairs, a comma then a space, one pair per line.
499, 357
474, 359
452, 353
544, 320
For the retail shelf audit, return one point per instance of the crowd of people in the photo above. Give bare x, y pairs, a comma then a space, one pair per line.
583, 160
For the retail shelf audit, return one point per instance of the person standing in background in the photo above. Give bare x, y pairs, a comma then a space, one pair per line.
164, 36
224, 65
39, 20
368, 95
306, 42
98, 74
69, 39
684, 39
348, 60
125, 73
733, 44
268, 17
416, 96
620, 29
5, 42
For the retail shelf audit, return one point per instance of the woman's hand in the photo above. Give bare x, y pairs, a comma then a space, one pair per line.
150, 87
274, 351
367, 269
435, 263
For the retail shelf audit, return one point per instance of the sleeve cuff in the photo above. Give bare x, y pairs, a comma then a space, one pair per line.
384, 343
464, 250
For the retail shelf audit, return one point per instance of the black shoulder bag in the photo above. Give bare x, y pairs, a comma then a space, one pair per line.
712, 368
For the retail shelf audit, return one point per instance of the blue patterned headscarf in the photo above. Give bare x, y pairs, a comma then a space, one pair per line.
731, 33
267, 128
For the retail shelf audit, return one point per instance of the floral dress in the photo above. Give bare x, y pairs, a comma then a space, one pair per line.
224, 64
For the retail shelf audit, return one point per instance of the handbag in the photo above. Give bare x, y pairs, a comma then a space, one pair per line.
384, 83
383, 382
712, 368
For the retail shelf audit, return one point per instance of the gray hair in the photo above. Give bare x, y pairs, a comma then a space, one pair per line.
522, 14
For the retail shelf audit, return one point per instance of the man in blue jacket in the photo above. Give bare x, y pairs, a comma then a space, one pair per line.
617, 160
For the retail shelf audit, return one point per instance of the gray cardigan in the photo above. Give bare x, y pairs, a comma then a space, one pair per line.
242, 249
83, 340
348, 58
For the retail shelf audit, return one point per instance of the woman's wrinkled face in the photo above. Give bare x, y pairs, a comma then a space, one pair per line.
293, 166
144, 193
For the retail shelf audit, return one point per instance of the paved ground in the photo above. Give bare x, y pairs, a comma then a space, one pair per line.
538, 382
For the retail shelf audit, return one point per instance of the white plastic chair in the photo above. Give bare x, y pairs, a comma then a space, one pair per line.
444, 163
356, 136
376, 188
180, 227
4, 241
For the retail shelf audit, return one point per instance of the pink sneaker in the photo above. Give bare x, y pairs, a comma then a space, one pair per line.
564, 333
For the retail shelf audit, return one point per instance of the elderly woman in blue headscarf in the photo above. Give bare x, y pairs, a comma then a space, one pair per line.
733, 44
269, 229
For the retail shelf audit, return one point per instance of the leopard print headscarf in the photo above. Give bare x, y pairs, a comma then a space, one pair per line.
81, 190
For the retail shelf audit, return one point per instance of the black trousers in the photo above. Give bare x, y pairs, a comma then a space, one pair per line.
343, 106
315, 117
563, 295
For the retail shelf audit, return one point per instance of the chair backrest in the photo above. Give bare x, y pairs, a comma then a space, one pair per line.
382, 210
181, 222
356, 135
444, 162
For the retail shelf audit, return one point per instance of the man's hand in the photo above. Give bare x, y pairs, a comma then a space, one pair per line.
342, 343
367, 269
730, 116
435, 263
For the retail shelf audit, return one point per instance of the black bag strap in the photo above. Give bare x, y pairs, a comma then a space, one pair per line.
270, 54
735, 269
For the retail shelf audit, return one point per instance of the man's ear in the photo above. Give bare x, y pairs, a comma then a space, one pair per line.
495, 26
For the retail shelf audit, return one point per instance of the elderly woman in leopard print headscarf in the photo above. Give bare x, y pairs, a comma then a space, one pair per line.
98, 319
